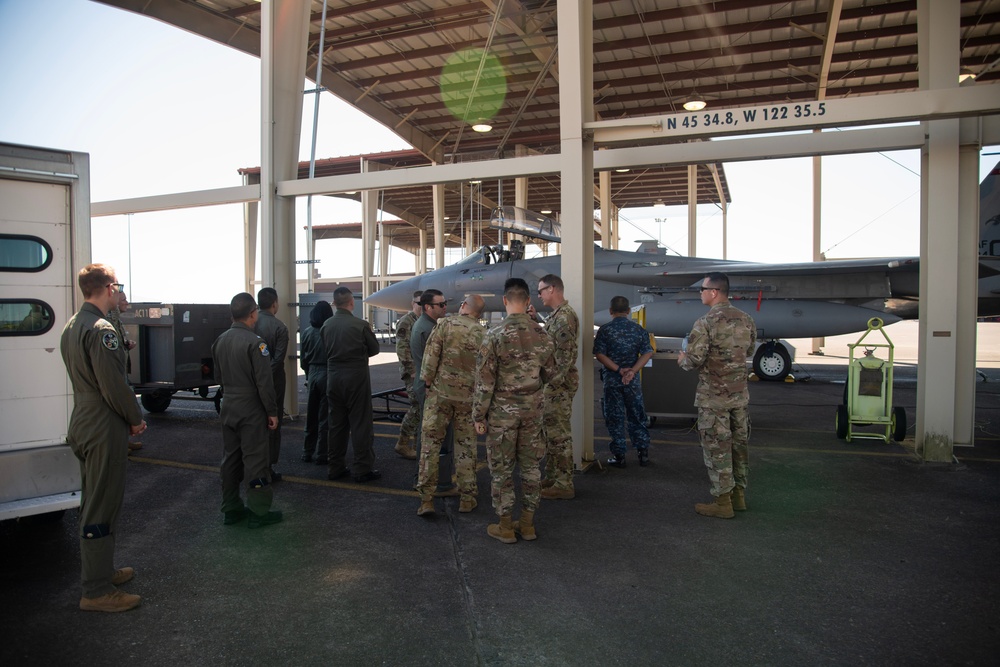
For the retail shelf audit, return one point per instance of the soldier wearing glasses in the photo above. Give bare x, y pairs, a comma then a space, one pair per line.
407, 373
105, 413
434, 307
718, 346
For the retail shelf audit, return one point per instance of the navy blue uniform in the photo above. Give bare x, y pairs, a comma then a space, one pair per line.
623, 341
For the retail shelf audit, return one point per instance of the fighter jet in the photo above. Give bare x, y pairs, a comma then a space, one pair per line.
795, 300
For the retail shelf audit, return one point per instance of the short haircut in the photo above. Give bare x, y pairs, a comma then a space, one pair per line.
553, 280
516, 282
516, 291
416, 295
242, 306
719, 281
320, 313
619, 304
342, 297
266, 297
427, 296
93, 278
475, 303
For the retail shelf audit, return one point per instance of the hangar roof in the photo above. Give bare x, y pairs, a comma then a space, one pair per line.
401, 63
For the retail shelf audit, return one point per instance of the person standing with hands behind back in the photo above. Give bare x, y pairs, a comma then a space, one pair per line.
312, 358
718, 346
622, 346
249, 410
275, 334
105, 414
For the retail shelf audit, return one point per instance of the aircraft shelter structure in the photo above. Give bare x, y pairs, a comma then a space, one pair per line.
605, 92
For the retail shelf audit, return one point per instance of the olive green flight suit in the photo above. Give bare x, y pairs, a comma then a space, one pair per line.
243, 367
104, 407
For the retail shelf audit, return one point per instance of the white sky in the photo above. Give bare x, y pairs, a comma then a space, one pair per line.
160, 110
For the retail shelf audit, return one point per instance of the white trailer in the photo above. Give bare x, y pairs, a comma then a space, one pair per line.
44, 241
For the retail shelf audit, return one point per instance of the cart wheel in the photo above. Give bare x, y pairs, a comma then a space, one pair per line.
156, 402
842, 421
898, 424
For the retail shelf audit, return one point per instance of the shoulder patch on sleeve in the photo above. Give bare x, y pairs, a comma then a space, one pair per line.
264, 352
110, 340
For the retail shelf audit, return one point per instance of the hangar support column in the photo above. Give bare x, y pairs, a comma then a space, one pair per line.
369, 213
576, 107
437, 197
284, 30
948, 263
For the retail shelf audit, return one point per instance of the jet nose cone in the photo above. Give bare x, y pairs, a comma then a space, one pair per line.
396, 297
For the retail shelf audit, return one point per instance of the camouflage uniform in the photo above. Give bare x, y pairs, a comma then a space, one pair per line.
516, 358
408, 429
718, 347
562, 326
623, 341
275, 334
449, 371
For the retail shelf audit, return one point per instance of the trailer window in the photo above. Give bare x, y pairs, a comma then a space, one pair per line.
25, 317
24, 254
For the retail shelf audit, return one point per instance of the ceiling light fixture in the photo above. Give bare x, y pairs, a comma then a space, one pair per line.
695, 102
623, 170
965, 74
482, 125
546, 211
659, 204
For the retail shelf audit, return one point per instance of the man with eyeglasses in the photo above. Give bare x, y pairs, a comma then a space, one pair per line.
407, 373
449, 371
105, 414
719, 345
433, 306
562, 326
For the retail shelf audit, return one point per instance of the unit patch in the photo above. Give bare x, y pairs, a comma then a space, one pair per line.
263, 350
110, 340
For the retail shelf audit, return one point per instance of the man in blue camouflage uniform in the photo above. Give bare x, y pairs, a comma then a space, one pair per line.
409, 428
449, 372
515, 361
622, 346
563, 328
718, 346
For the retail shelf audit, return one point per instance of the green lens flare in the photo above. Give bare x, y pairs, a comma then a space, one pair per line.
458, 78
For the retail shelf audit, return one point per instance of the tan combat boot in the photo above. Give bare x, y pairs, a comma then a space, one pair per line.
426, 506
502, 531
404, 450
526, 526
739, 499
114, 601
467, 504
555, 493
721, 508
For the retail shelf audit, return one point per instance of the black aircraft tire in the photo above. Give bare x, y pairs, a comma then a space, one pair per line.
772, 362
156, 401
842, 420
898, 424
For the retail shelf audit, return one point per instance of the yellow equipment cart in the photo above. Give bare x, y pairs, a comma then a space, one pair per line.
869, 392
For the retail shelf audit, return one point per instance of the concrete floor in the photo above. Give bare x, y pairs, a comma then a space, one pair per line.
850, 554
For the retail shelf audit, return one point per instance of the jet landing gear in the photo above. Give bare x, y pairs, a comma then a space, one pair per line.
772, 361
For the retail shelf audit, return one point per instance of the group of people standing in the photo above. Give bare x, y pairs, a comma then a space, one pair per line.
514, 384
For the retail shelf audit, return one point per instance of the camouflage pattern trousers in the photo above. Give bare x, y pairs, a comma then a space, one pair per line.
514, 438
411, 420
623, 405
725, 436
439, 412
559, 438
